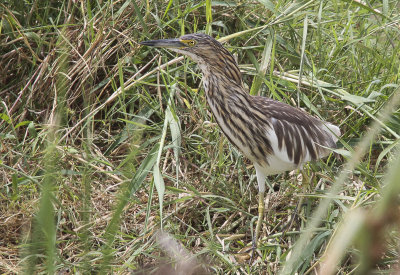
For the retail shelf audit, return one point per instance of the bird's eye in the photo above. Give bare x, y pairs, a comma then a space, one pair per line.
191, 43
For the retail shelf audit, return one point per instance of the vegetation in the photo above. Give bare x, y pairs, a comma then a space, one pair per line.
104, 143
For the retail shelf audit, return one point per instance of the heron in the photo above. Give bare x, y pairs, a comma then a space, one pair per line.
274, 136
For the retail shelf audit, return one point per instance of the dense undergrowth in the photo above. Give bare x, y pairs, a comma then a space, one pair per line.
103, 143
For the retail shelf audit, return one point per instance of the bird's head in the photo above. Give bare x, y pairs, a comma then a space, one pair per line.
193, 45
205, 50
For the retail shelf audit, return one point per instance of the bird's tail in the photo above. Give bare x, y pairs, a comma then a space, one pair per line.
333, 131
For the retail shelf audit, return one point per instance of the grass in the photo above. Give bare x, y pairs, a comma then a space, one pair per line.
103, 142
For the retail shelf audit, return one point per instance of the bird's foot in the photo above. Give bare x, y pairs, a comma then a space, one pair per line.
253, 248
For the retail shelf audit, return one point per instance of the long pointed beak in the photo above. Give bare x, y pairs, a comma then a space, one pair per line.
164, 43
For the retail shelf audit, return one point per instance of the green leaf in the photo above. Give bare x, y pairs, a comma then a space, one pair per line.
265, 59
268, 5
342, 152
357, 100
23, 123
5, 117
32, 130
160, 186
384, 153
208, 17
173, 122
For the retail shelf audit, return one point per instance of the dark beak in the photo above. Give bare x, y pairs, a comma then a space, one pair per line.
164, 43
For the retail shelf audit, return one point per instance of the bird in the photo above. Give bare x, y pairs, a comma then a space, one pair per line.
273, 135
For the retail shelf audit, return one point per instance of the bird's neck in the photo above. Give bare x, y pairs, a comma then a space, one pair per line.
221, 78
224, 68
222, 90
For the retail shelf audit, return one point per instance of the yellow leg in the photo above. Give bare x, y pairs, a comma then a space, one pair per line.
261, 191
260, 217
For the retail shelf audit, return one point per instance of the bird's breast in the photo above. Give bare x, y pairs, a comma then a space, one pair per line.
239, 131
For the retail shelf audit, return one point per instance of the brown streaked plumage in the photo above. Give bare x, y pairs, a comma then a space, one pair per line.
275, 136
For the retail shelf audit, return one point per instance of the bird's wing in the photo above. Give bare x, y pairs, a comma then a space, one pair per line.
295, 135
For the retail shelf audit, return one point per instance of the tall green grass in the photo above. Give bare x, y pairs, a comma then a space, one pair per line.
103, 142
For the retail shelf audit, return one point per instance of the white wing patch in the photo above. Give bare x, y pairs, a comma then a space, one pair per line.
280, 161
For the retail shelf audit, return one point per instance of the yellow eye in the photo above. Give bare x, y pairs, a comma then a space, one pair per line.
191, 43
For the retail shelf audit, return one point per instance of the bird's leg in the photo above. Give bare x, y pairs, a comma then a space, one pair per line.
261, 192
260, 217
